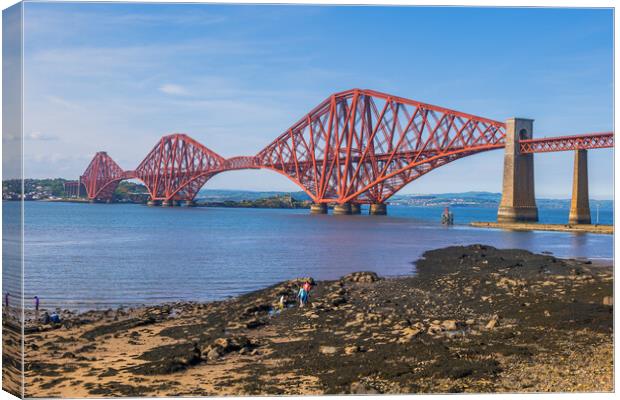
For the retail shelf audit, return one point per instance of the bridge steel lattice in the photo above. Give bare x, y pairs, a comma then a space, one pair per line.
566, 143
363, 146
357, 146
101, 177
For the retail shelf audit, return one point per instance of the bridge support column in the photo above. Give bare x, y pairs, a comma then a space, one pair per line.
174, 203
318, 208
190, 203
151, 203
166, 203
342, 209
378, 209
356, 208
518, 201
580, 202
92, 201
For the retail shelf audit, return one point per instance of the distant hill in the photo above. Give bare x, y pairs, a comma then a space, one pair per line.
37, 189
471, 199
482, 199
465, 199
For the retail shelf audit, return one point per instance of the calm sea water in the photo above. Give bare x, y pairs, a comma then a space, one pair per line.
85, 256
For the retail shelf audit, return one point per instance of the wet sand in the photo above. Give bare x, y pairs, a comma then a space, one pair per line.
473, 319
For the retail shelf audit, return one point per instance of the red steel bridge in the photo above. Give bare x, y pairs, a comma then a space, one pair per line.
357, 146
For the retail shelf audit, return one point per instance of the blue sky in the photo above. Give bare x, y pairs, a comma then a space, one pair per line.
116, 77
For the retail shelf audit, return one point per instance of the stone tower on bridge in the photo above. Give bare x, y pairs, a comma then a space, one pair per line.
518, 200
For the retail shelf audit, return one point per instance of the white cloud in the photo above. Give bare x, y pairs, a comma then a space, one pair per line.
40, 136
175, 90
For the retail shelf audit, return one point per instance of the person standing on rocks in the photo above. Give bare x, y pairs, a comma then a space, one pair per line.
36, 307
303, 296
307, 287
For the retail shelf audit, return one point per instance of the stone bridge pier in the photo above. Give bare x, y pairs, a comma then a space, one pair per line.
518, 200
580, 202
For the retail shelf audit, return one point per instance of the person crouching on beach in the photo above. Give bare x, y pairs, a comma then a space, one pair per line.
303, 296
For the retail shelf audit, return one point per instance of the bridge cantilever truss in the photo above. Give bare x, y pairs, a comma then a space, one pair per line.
566, 143
102, 176
364, 146
358, 146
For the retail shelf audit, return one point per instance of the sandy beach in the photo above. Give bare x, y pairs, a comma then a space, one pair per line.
473, 319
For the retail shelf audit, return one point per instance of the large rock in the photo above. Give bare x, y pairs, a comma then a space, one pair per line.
328, 350
435, 327
255, 323
193, 357
361, 388
256, 310
214, 354
361, 277
408, 334
339, 300
224, 345
449, 325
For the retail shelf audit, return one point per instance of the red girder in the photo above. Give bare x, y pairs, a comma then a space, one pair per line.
177, 167
101, 177
565, 143
356, 146
241, 162
364, 146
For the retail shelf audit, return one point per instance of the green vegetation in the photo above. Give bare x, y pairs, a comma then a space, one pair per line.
278, 201
34, 189
54, 188
131, 192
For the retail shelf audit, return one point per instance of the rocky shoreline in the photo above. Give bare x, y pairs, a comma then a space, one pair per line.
473, 319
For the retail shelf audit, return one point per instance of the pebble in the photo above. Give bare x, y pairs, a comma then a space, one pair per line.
491, 324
